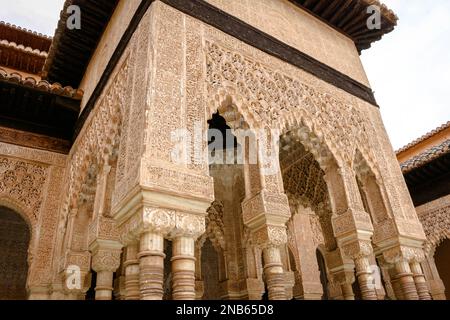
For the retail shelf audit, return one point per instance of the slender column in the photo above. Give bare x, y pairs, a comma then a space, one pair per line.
183, 268
104, 288
105, 261
274, 274
347, 291
365, 279
420, 281
131, 265
151, 264
406, 280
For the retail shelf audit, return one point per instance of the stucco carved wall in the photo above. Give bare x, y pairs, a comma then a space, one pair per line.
30, 184
175, 74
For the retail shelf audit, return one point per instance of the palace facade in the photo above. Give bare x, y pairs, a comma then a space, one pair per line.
96, 204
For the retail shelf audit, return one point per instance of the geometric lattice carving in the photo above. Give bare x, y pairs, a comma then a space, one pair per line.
22, 182
436, 224
274, 99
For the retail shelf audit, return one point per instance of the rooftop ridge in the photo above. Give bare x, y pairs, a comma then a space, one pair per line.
424, 137
18, 28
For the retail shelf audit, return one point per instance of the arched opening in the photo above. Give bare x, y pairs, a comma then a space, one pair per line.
323, 274
310, 225
442, 260
297, 289
14, 241
225, 213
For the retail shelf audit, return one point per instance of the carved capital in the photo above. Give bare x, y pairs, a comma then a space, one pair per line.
188, 224
158, 220
357, 249
266, 208
270, 235
403, 253
343, 277
105, 255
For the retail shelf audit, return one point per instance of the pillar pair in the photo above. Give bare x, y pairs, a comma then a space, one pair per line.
411, 283
145, 268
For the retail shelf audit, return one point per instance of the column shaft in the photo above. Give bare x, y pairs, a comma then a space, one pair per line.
420, 281
274, 274
151, 265
132, 273
104, 287
406, 280
183, 268
365, 280
347, 291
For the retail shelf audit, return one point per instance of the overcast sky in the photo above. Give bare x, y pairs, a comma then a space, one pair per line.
409, 69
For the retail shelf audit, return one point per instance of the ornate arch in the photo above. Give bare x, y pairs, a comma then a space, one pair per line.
372, 189
436, 224
270, 98
98, 138
21, 189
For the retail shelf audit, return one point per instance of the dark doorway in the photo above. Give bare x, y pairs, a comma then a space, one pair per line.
442, 259
323, 274
14, 242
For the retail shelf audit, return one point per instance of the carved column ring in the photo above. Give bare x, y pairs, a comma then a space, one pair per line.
183, 257
149, 253
130, 262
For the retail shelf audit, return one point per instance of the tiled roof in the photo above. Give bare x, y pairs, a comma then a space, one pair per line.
22, 48
424, 137
42, 85
426, 157
25, 37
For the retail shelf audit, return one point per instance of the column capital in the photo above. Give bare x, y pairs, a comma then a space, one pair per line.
188, 225
357, 249
403, 253
270, 236
167, 222
105, 255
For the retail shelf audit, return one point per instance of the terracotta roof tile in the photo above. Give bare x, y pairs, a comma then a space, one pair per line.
22, 48
42, 85
424, 137
426, 157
